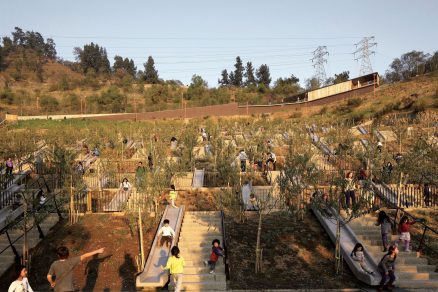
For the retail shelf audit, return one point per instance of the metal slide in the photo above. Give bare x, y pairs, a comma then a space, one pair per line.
152, 276
348, 241
198, 178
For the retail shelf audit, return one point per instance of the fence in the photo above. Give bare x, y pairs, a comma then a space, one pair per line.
110, 200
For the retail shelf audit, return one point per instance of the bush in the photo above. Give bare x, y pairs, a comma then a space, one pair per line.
49, 103
354, 102
323, 110
419, 106
7, 96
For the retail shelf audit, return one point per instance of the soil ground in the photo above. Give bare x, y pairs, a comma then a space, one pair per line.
114, 270
296, 255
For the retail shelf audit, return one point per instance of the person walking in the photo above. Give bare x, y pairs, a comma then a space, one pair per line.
21, 284
175, 265
385, 229
173, 194
386, 268
60, 275
216, 252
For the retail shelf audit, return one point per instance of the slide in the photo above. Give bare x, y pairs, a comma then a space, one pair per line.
198, 178
348, 241
118, 201
152, 276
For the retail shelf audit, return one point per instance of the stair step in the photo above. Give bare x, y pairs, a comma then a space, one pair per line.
216, 277
416, 276
201, 286
220, 269
402, 283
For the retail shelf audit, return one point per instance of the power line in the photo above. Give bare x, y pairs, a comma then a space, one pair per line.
318, 61
363, 52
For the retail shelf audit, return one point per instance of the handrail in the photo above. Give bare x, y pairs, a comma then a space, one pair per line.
19, 219
224, 243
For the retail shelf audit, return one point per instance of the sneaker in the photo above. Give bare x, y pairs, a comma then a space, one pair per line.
211, 272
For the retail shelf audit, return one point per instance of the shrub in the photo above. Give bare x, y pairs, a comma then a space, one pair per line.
49, 103
323, 110
354, 102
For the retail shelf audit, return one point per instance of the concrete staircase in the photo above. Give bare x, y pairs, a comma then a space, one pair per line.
412, 271
7, 258
198, 231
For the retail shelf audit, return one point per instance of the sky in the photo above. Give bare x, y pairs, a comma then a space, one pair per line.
204, 37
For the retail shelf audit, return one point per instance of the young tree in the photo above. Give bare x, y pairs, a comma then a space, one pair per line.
263, 75
150, 73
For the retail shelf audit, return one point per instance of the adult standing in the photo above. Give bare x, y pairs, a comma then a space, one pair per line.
350, 191
243, 157
140, 173
9, 166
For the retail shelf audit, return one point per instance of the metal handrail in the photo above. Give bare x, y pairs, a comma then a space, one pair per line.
224, 243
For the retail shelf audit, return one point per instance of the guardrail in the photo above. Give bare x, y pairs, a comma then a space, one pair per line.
224, 243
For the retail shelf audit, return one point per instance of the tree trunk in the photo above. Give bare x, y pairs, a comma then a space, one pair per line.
258, 253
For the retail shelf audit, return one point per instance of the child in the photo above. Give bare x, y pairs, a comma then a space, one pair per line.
385, 229
358, 256
172, 195
21, 284
216, 252
175, 264
252, 203
166, 234
404, 227
386, 268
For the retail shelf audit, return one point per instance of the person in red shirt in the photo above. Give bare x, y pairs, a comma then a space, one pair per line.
216, 252
404, 227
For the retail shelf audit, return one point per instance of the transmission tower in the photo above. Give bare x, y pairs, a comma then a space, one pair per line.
363, 52
318, 61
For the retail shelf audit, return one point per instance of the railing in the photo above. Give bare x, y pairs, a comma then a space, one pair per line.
224, 243
6, 199
110, 200
35, 206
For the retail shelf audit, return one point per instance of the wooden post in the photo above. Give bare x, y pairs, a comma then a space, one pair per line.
141, 238
89, 207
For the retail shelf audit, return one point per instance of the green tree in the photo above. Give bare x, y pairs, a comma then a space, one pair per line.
238, 73
312, 83
263, 75
92, 56
150, 73
224, 81
286, 86
125, 65
341, 77
249, 75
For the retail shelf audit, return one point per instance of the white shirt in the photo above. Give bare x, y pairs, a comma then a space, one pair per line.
20, 286
125, 184
272, 155
243, 156
166, 231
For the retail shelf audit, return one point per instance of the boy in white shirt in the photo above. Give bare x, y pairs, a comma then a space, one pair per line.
166, 234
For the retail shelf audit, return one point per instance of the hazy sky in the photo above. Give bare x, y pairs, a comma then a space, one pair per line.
204, 37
